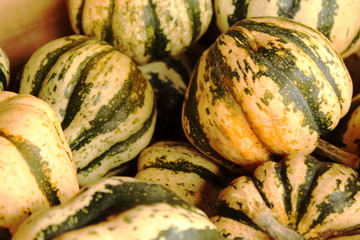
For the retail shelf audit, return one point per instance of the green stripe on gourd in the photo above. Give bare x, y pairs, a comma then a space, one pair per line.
38, 166
337, 20
99, 204
42, 62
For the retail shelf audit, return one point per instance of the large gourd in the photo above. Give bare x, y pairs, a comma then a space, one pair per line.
37, 168
337, 20
267, 87
104, 103
121, 208
143, 30
297, 198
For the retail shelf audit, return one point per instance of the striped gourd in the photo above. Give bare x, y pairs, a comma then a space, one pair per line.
143, 30
346, 135
105, 104
120, 207
337, 20
37, 169
4, 70
169, 78
296, 198
180, 167
268, 86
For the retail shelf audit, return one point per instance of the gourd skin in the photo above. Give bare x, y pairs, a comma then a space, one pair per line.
182, 168
104, 103
37, 166
142, 30
4, 70
266, 86
337, 20
318, 200
121, 207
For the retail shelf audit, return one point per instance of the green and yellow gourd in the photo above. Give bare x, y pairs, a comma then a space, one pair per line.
104, 103
37, 167
119, 207
296, 198
182, 168
4, 70
337, 20
169, 78
267, 87
143, 30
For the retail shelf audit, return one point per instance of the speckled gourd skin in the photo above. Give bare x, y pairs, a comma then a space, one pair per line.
266, 86
337, 20
104, 103
121, 208
182, 168
37, 167
143, 30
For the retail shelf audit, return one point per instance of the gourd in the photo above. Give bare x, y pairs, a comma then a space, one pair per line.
120, 207
266, 88
299, 197
143, 30
169, 78
337, 20
4, 70
104, 103
37, 166
182, 168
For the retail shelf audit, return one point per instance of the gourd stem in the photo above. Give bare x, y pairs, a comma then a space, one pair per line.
267, 222
338, 155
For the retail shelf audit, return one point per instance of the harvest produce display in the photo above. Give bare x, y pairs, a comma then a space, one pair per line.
173, 119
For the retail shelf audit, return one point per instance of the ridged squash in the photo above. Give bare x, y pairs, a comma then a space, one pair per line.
182, 168
297, 198
169, 78
4, 70
143, 30
267, 87
37, 169
337, 20
120, 208
104, 103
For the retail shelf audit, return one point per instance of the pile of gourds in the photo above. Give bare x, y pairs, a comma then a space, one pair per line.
185, 120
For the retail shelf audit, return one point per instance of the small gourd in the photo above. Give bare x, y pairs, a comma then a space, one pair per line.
105, 104
299, 197
4, 70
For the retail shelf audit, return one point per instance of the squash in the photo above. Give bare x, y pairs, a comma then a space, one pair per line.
266, 88
37, 169
104, 103
169, 78
337, 20
182, 168
143, 30
120, 207
4, 70
299, 197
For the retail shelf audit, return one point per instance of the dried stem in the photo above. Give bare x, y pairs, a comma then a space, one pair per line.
337, 155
